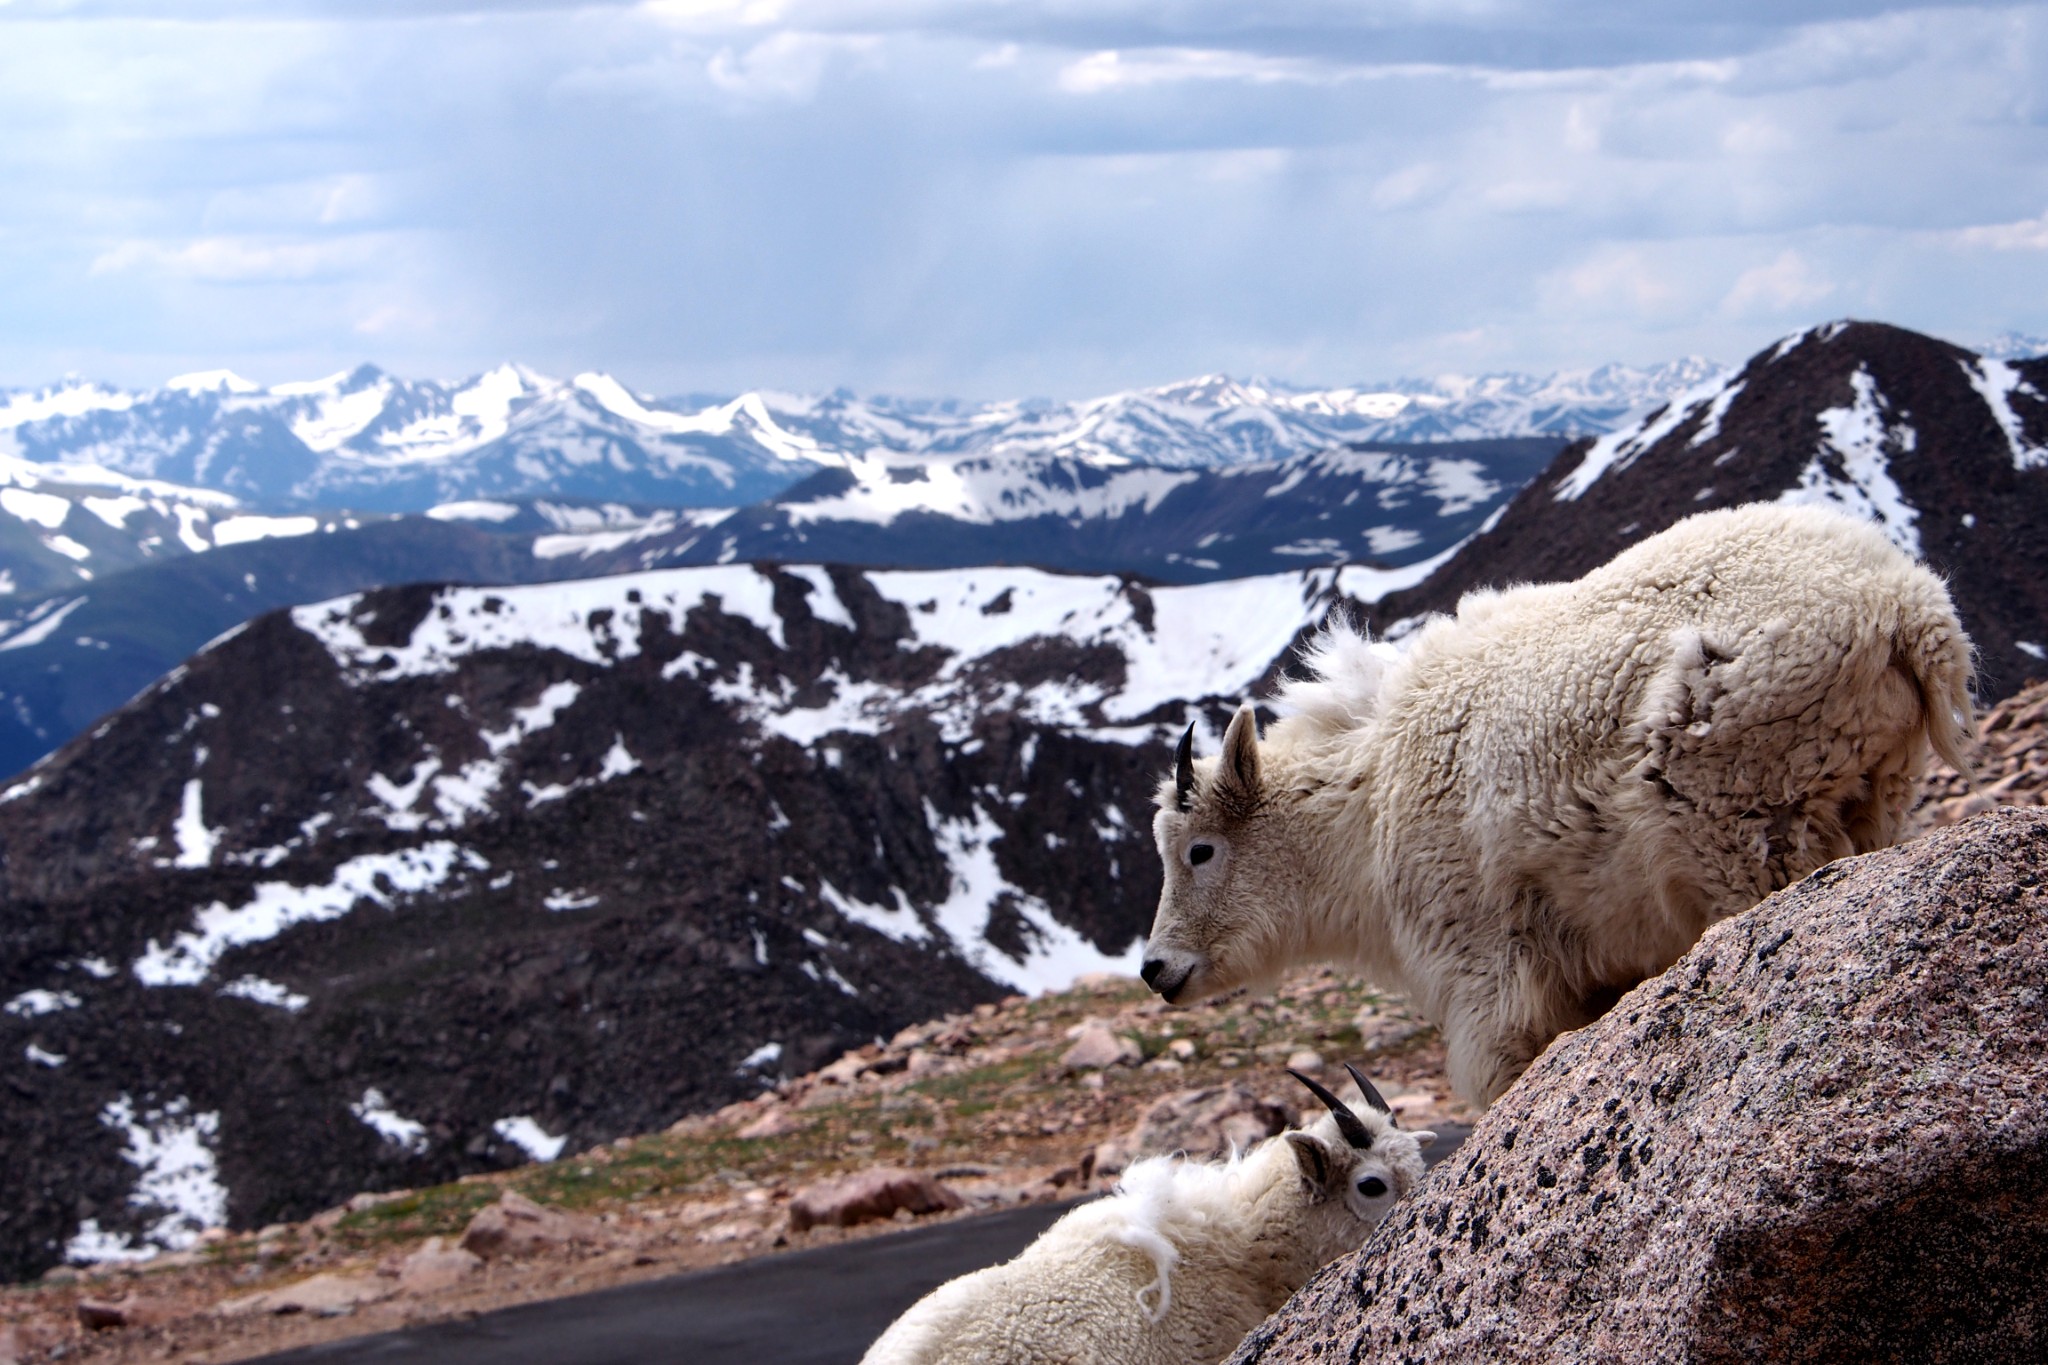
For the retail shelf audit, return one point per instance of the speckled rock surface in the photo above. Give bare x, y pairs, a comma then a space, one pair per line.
1822, 1135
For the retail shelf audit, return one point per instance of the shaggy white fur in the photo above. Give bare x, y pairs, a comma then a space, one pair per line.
1549, 797
1176, 1266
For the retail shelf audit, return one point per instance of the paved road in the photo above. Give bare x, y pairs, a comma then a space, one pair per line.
818, 1307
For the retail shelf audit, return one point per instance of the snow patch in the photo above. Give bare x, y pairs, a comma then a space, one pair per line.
1996, 382
1859, 436
46, 510
373, 1109
595, 620
381, 878
243, 529
36, 1003
1618, 450
527, 720
529, 1137
43, 622
172, 1147
265, 993
476, 509
195, 841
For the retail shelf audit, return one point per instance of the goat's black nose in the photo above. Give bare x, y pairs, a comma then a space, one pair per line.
1152, 968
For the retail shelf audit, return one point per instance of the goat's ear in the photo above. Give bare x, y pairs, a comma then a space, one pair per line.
1238, 769
1317, 1167
1423, 1138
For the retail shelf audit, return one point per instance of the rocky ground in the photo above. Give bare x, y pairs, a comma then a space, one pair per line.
2012, 763
1023, 1101
1017, 1102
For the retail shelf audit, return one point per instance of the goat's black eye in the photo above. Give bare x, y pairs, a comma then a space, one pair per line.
1372, 1187
1201, 853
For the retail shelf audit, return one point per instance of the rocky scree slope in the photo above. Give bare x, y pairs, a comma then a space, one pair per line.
1946, 449
428, 880
1000, 1104
1818, 1136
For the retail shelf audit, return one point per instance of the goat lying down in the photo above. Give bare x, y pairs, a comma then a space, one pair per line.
1554, 793
1182, 1261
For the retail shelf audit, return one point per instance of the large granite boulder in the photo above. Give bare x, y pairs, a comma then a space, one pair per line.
1822, 1135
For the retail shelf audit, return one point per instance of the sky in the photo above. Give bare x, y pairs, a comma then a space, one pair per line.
1000, 198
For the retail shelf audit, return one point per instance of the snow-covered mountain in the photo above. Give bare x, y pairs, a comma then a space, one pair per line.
1386, 504
421, 880
366, 439
1944, 448
369, 440
63, 525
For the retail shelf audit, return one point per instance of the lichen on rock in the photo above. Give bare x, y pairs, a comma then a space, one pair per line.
1822, 1135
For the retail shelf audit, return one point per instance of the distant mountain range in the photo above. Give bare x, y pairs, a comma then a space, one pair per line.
369, 441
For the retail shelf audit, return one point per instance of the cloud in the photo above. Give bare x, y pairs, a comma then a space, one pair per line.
241, 260
2028, 234
1005, 196
1784, 287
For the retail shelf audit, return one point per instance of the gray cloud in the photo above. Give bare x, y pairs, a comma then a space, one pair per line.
1000, 198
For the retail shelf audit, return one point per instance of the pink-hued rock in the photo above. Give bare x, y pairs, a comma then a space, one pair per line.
516, 1226
1203, 1123
1821, 1136
321, 1294
435, 1266
1096, 1048
866, 1195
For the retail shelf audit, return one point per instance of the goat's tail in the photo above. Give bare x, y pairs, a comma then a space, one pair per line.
1934, 649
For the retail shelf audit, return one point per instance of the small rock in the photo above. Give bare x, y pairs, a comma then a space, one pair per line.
435, 1267
775, 1123
1181, 1049
515, 1226
1306, 1060
324, 1295
1208, 1122
102, 1315
845, 1071
732, 1230
875, 1193
1096, 1048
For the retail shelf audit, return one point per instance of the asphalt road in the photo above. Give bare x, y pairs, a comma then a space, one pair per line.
818, 1307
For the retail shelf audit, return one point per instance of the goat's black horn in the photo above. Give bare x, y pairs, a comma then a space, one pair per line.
1365, 1088
1184, 768
1355, 1132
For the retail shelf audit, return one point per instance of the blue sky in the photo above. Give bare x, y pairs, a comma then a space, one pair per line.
1002, 197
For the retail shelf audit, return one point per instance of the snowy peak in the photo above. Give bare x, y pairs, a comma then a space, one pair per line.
365, 438
1945, 449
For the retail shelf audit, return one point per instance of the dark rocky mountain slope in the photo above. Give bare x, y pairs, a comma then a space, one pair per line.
1948, 450
427, 880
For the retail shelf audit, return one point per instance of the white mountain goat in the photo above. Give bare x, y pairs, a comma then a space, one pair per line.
1554, 793
1182, 1261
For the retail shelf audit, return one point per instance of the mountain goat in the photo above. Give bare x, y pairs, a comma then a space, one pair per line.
1182, 1261
1554, 793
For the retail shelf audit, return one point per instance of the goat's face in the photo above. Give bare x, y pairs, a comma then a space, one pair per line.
1354, 1167
1229, 884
